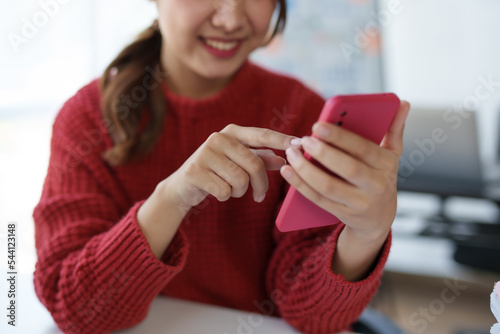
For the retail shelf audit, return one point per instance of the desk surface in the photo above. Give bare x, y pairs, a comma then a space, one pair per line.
166, 315
177, 316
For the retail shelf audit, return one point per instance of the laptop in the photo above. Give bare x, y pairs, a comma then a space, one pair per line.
441, 156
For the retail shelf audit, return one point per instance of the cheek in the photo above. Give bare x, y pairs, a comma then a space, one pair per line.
260, 14
181, 19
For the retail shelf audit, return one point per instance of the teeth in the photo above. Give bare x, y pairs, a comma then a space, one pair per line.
223, 46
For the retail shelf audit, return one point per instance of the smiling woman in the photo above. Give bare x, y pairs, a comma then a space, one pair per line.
164, 172
199, 50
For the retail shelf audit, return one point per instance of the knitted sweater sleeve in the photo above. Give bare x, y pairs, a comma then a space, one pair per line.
95, 272
300, 281
305, 290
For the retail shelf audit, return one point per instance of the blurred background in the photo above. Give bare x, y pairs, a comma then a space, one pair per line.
439, 55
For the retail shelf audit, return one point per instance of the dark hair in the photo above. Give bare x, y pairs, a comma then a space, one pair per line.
135, 125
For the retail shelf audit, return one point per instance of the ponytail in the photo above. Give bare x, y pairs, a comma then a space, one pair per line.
135, 121
128, 98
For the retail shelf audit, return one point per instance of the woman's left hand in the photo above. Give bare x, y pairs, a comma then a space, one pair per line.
365, 199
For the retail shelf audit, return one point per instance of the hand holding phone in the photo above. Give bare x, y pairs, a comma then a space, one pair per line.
369, 116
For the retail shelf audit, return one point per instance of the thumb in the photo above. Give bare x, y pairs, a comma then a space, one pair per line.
270, 159
393, 140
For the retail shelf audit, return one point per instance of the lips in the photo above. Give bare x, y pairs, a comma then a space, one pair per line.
220, 45
223, 48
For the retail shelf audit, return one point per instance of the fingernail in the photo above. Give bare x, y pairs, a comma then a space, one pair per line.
287, 173
321, 130
311, 144
296, 142
261, 198
291, 154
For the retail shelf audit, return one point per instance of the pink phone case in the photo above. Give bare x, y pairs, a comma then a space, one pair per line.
367, 115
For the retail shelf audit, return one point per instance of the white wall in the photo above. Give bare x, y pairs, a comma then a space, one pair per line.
435, 51
69, 43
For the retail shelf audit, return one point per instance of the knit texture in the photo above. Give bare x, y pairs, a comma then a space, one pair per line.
96, 272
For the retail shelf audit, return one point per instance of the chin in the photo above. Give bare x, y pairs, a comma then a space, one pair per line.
220, 71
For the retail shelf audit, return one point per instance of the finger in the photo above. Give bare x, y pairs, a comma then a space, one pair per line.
247, 160
335, 160
226, 169
328, 186
212, 184
259, 137
270, 159
254, 167
336, 208
393, 140
352, 143
243, 157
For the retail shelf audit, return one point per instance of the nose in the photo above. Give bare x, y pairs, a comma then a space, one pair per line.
229, 14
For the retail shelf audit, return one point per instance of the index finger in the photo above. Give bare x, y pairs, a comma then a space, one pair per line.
259, 137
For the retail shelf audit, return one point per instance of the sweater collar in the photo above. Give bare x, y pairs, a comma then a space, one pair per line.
231, 96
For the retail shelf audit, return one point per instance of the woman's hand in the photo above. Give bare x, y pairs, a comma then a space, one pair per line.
365, 199
225, 165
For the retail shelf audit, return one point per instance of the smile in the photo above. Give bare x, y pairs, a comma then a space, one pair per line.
219, 45
221, 48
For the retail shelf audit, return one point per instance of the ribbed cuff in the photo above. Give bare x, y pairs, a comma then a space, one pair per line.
348, 297
377, 269
129, 262
325, 300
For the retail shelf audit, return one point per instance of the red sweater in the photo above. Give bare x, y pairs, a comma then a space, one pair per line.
96, 272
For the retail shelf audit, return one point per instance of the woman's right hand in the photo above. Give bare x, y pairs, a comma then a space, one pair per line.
223, 166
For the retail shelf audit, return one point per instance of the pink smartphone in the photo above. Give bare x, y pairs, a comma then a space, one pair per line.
368, 115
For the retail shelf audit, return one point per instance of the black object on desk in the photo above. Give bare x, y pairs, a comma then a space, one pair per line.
476, 244
372, 322
481, 249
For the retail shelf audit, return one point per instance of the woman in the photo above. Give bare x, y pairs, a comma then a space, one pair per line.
152, 188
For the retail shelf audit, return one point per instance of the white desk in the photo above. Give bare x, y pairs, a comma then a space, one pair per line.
177, 316
166, 315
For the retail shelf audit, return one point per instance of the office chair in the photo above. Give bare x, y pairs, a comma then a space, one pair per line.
372, 322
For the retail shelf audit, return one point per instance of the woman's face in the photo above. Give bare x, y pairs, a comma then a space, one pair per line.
211, 38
